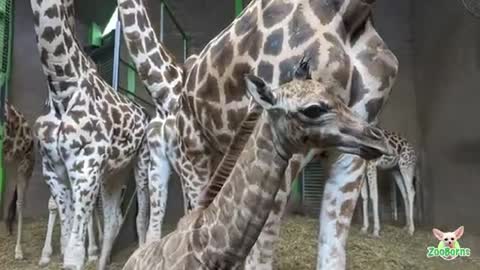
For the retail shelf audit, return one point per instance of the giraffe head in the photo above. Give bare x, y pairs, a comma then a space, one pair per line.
304, 115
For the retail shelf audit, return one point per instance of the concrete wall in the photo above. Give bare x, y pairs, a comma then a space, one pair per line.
447, 61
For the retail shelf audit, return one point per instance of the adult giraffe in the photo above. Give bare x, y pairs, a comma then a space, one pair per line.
270, 37
89, 134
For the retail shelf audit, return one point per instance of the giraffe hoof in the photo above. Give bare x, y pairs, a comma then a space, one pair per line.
376, 235
18, 255
364, 230
93, 258
44, 262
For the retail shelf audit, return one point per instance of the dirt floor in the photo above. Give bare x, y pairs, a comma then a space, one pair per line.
395, 250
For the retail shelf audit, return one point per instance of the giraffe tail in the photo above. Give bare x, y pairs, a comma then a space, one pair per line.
12, 212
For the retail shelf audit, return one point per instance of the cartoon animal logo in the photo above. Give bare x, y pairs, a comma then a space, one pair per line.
449, 246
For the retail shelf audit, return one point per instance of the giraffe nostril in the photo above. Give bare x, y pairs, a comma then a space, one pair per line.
375, 133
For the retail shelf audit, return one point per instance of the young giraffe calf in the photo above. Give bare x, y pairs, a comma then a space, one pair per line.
403, 161
18, 151
300, 115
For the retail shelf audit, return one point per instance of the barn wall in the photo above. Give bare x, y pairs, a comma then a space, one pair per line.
447, 58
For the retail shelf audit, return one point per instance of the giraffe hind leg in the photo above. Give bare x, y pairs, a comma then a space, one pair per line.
407, 173
373, 191
364, 195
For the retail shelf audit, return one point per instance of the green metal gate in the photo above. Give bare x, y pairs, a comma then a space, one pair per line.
313, 183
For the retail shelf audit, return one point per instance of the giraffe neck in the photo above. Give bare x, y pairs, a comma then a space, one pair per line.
241, 208
157, 68
63, 61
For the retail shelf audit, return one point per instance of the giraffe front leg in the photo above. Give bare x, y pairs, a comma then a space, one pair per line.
340, 195
56, 178
21, 189
85, 187
373, 187
364, 196
261, 255
92, 242
141, 179
159, 174
47, 247
112, 217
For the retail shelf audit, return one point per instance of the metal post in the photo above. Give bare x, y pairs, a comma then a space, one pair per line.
238, 7
184, 49
116, 55
162, 10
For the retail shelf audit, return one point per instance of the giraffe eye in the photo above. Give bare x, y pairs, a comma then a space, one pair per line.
314, 111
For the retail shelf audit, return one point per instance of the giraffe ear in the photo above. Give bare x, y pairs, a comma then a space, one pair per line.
260, 92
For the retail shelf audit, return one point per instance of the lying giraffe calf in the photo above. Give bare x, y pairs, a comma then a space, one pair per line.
298, 116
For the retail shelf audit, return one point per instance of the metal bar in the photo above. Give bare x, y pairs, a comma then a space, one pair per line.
185, 49
8, 19
131, 80
174, 20
128, 65
125, 91
238, 7
116, 55
162, 20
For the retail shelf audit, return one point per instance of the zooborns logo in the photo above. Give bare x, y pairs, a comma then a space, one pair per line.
449, 247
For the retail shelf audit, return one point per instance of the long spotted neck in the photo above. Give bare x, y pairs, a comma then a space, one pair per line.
62, 59
155, 65
239, 212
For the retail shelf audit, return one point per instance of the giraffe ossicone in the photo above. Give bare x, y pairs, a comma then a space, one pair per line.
297, 116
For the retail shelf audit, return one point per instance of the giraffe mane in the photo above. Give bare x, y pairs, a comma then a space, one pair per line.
228, 161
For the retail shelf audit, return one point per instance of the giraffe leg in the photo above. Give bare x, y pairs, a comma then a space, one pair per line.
141, 179
21, 189
92, 242
364, 196
340, 195
373, 188
85, 186
158, 177
113, 219
393, 189
407, 176
56, 178
98, 216
261, 255
47, 247
401, 186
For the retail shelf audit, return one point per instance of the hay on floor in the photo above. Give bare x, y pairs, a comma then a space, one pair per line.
395, 250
